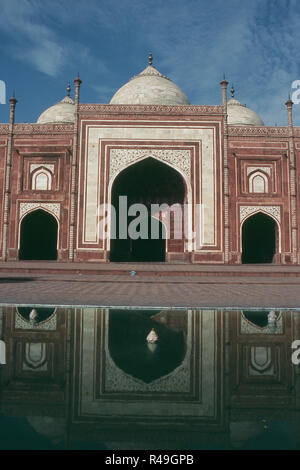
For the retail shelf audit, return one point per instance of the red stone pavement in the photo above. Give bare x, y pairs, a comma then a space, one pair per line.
154, 285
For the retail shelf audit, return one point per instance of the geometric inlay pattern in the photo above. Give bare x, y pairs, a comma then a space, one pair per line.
120, 158
274, 211
49, 206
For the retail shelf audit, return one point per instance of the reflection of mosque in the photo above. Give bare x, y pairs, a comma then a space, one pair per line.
87, 377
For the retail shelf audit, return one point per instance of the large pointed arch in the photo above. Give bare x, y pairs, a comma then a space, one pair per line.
147, 181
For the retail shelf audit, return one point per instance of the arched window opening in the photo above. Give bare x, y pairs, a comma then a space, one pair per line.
258, 183
42, 180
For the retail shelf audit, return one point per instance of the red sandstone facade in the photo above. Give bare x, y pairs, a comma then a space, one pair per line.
254, 170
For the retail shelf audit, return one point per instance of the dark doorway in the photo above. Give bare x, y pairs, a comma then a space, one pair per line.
38, 237
149, 249
146, 182
259, 239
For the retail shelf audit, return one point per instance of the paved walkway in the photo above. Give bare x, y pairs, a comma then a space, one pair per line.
154, 285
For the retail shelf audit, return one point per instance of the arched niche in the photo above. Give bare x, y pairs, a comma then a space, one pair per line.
38, 236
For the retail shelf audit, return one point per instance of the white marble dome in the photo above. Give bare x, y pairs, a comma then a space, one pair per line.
150, 87
64, 111
240, 115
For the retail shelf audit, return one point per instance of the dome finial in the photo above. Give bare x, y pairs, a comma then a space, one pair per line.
232, 91
150, 58
69, 89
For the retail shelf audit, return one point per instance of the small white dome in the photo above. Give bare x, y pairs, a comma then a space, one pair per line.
150, 87
239, 115
64, 111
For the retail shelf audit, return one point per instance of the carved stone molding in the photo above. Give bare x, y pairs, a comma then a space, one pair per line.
247, 130
179, 159
43, 128
52, 207
49, 166
274, 211
149, 109
265, 169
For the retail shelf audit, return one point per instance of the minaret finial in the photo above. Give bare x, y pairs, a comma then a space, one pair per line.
150, 58
69, 89
232, 91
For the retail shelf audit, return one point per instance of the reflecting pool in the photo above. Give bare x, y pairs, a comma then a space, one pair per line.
93, 378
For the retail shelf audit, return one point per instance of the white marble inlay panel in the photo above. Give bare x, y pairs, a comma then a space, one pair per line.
207, 174
34, 166
245, 211
49, 206
266, 169
121, 158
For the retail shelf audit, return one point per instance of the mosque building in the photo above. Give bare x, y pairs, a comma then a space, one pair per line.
236, 179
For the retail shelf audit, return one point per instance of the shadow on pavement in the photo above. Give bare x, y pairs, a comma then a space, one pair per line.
7, 280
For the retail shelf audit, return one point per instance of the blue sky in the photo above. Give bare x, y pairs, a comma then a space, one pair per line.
44, 43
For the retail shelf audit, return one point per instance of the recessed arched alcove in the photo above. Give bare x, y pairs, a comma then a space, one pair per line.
38, 236
146, 182
259, 233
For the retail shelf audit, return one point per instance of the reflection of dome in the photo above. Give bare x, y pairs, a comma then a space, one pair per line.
63, 111
240, 115
150, 87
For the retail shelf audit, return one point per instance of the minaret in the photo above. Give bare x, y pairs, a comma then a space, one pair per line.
13, 103
77, 82
224, 84
292, 171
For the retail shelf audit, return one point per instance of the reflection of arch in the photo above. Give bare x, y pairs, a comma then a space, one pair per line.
258, 318
256, 322
41, 179
258, 182
146, 181
38, 236
45, 314
260, 238
177, 377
